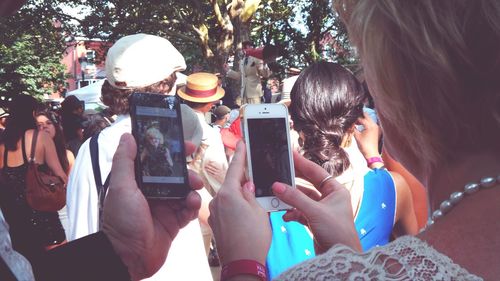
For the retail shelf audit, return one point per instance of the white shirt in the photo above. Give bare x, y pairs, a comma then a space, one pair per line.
211, 141
186, 259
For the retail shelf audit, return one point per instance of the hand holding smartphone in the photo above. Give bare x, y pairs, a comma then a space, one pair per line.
161, 170
269, 154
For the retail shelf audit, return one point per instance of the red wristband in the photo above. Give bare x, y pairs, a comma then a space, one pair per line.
375, 159
239, 267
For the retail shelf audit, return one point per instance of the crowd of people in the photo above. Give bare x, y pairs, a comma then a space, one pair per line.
429, 97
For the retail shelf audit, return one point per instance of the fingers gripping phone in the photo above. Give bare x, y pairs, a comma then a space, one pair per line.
160, 167
269, 154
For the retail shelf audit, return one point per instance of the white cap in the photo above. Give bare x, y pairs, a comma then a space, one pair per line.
140, 60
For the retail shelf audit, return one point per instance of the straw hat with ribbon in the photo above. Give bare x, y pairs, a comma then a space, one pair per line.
201, 87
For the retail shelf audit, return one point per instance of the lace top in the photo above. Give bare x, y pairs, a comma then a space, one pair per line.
407, 258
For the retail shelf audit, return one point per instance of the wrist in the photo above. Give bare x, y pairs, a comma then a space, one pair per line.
371, 153
375, 162
244, 270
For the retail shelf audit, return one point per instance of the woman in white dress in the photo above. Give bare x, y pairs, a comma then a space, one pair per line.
433, 69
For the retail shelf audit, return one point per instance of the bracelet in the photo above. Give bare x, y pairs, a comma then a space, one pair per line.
375, 159
238, 267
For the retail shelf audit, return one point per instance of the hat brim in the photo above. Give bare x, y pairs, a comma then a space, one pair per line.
215, 97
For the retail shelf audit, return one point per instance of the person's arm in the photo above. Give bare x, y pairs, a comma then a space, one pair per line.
216, 170
235, 75
50, 155
137, 226
406, 222
241, 227
71, 159
368, 140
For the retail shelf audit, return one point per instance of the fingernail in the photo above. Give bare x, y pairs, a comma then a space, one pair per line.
250, 186
279, 188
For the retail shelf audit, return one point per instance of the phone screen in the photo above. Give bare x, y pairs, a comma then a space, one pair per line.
157, 129
269, 153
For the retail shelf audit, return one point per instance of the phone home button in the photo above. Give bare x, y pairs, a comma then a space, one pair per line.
275, 202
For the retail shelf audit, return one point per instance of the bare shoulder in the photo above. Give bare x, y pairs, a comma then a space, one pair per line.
401, 186
29, 133
405, 213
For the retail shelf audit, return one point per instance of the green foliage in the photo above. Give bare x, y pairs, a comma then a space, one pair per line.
175, 20
307, 30
31, 49
206, 33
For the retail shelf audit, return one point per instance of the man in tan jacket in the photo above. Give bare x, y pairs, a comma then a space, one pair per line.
253, 67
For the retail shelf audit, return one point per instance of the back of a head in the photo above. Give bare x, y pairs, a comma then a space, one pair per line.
93, 124
326, 102
139, 63
432, 67
70, 104
221, 111
20, 119
270, 52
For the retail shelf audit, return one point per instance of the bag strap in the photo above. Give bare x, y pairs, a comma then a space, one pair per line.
94, 157
23, 147
101, 188
33, 146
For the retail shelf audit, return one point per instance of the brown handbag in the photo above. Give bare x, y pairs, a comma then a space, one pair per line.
44, 190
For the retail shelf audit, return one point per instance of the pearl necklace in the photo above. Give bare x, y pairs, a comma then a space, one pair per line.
456, 197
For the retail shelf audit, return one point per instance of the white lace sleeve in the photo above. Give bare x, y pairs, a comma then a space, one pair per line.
407, 258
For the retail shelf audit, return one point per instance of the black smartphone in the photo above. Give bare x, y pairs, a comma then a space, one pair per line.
161, 170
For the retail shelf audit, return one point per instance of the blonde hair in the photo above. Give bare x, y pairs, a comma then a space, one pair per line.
153, 132
435, 65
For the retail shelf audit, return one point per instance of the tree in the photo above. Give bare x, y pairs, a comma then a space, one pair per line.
204, 31
308, 30
31, 49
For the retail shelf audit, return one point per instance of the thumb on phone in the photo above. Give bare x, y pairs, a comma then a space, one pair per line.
249, 192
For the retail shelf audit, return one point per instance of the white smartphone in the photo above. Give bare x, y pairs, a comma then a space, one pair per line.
269, 154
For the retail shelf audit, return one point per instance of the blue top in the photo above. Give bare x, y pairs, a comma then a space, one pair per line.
291, 244
377, 211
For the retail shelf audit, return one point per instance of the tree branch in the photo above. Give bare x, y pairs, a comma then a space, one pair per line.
181, 36
218, 14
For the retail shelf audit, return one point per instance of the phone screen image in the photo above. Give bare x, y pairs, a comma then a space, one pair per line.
269, 153
160, 162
